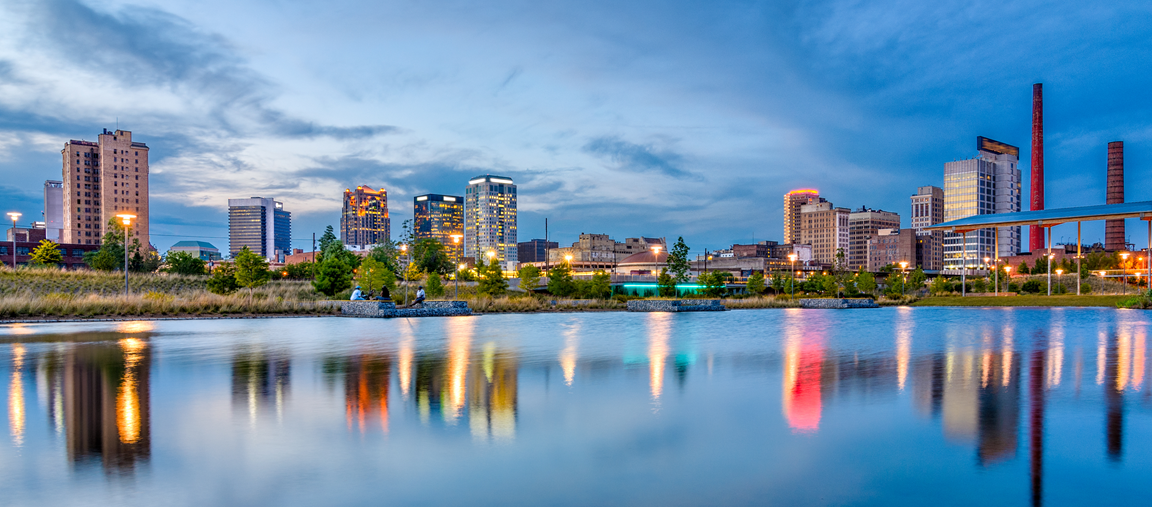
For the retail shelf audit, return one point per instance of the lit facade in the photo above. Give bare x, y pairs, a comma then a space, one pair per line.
490, 220
364, 220
826, 229
439, 217
260, 224
863, 224
792, 202
987, 184
103, 179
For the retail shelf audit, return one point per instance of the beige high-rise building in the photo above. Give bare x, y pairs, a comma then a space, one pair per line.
863, 225
826, 229
103, 179
928, 209
792, 202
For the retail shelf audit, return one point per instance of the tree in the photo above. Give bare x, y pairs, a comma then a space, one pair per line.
372, 275
666, 284
779, 282
223, 280
328, 238
104, 259
430, 256
529, 278
387, 254
1022, 268
755, 284
251, 269
828, 285
600, 286
492, 280
916, 279
183, 263
939, 285
1041, 266
299, 271
865, 282
678, 265
47, 253
435, 286
332, 276
560, 281
713, 284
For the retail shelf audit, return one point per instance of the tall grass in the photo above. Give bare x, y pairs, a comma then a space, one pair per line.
506, 304
762, 302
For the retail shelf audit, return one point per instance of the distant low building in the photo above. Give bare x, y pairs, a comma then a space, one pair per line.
203, 250
535, 250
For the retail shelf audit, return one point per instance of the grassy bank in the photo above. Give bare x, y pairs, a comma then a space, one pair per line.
1077, 301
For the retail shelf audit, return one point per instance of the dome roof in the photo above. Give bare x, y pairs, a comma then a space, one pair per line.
645, 258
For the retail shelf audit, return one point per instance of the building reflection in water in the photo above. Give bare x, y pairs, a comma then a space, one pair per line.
366, 380
568, 354
260, 381
99, 398
493, 398
803, 360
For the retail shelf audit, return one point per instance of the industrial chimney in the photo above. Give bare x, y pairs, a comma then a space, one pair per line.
1114, 229
1036, 232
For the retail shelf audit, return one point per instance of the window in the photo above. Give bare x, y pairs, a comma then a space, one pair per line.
3, 250
22, 250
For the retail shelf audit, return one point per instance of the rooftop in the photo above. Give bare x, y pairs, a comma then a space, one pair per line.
194, 244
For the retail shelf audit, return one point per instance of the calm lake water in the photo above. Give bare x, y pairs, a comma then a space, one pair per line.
764, 407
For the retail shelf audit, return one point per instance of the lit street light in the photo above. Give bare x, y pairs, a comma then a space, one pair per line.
904, 272
127, 219
14, 215
792, 284
407, 261
456, 241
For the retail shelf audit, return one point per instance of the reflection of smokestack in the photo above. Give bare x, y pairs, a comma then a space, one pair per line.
1036, 233
1114, 229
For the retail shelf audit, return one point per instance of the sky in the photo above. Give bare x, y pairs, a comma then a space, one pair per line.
627, 118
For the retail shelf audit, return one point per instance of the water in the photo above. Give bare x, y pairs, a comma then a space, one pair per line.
785, 407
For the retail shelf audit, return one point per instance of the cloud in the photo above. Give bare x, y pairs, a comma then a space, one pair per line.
632, 157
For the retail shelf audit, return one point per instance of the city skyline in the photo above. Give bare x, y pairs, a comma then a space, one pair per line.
626, 146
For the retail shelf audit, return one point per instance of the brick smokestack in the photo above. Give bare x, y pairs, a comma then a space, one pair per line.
1114, 229
1036, 232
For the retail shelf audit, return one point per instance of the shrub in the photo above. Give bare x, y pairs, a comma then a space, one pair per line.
223, 280
1032, 287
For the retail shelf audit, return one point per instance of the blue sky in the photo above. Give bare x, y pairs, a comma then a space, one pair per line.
626, 118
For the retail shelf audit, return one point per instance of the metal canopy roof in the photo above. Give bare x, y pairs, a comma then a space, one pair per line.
1048, 217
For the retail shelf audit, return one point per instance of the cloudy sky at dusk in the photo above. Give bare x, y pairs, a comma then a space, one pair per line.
627, 118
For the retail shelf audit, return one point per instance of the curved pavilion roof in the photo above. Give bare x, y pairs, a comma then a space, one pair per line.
1048, 217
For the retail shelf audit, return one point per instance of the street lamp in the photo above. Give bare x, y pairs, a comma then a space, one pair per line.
1124, 258
127, 220
904, 272
456, 241
14, 215
1049, 266
407, 261
792, 284
987, 260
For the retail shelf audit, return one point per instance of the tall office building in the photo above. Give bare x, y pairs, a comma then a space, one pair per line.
54, 210
928, 209
792, 202
826, 229
987, 184
439, 217
115, 163
260, 224
863, 224
364, 221
490, 219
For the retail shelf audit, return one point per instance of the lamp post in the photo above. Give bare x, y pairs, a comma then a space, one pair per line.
1049, 266
904, 273
404, 249
456, 276
127, 220
1124, 264
792, 283
14, 215
1059, 272
1007, 277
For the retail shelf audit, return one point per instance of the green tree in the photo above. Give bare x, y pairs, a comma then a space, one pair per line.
435, 286
251, 269
678, 265
755, 284
47, 253
492, 280
916, 279
560, 281
666, 284
600, 287
431, 257
223, 280
865, 282
713, 284
104, 259
183, 263
372, 275
332, 276
328, 238
1041, 266
939, 285
529, 278
829, 286
779, 282
387, 253
1023, 268
299, 271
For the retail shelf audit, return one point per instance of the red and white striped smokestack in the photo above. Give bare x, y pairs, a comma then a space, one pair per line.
1036, 233
1114, 229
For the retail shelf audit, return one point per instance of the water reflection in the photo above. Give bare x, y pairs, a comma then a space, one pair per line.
996, 389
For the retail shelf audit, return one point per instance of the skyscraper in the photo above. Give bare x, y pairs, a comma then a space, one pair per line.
54, 210
123, 166
364, 221
863, 224
260, 224
928, 209
792, 202
989, 183
439, 217
490, 219
826, 229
